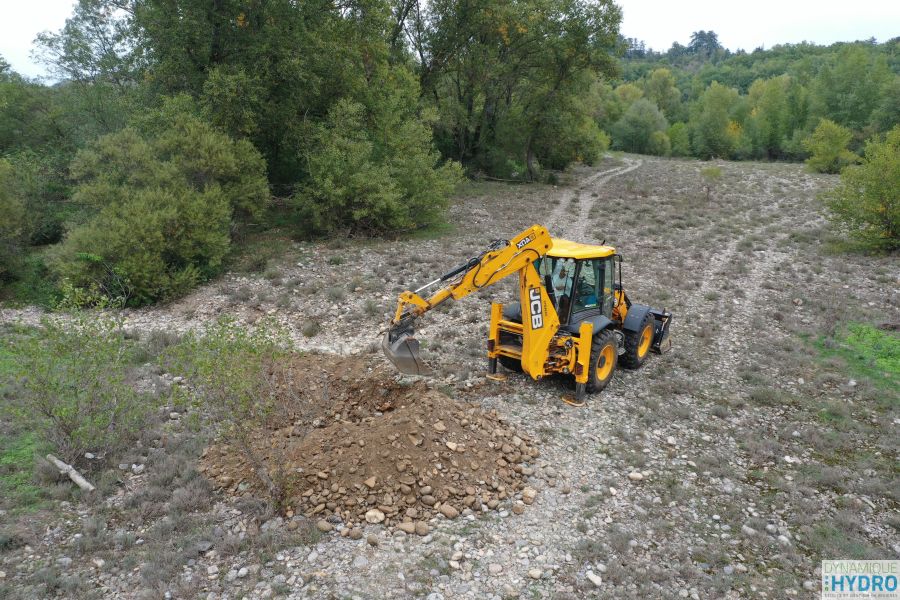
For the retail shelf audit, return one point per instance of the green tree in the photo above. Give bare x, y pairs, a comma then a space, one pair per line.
163, 208
679, 139
887, 113
769, 123
488, 65
867, 202
713, 132
661, 88
848, 88
363, 182
634, 130
827, 146
12, 225
659, 144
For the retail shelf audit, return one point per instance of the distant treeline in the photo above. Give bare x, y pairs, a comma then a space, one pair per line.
705, 101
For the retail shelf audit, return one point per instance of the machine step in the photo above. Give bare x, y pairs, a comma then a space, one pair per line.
511, 351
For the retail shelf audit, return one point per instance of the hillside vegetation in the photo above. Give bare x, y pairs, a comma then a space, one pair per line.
174, 134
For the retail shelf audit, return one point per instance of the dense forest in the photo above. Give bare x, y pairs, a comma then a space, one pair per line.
705, 101
174, 127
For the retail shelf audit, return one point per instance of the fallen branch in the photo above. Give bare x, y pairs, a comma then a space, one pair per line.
74, 475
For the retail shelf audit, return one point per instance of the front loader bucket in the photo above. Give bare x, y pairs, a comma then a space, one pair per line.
402, 349
661, 341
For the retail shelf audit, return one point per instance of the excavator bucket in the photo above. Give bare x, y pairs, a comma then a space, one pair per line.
402, 349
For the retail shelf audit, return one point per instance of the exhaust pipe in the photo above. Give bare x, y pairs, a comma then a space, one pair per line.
402, 349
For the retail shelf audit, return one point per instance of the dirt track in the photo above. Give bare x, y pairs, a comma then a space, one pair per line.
708, 473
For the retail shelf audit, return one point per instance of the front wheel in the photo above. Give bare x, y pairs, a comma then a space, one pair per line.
604, 355
637, 343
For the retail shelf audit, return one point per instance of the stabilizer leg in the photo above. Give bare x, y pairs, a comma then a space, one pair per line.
578, 398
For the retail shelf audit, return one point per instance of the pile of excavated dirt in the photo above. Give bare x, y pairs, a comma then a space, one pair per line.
354, 442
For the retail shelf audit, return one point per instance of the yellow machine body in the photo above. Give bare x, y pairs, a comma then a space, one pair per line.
535, 340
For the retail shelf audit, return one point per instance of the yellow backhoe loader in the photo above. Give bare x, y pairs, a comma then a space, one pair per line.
573, 316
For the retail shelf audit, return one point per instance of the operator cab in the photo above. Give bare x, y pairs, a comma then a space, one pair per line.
580, 280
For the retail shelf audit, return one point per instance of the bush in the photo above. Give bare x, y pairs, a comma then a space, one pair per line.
867, 201
163, 209
234, 375
827, 146
633, 131
74, 388
12, 224
373, 169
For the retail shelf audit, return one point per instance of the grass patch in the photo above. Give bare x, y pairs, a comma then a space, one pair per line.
869, 353
17, 487
827, 540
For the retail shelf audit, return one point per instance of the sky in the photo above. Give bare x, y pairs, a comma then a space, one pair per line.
750, 24
746, 25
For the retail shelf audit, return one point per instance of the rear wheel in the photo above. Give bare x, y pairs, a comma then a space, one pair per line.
604, 354
637, 343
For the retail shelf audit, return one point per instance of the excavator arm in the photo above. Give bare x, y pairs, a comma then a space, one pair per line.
502, 259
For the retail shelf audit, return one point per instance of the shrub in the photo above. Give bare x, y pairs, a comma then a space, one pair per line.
711, 176
12, 224
234, 373
867, 201
74, 388
827, 146
163, 209
373, 169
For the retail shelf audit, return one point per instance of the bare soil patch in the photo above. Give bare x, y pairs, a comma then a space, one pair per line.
352, 437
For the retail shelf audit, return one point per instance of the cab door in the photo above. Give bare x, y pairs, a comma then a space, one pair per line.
593, 289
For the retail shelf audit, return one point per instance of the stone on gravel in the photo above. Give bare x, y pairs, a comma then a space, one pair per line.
407, 527
422, 528
635, 476
324, 526
372, 539
374, 516
593, 578
495, 569
535, 573
356, 533
448, 511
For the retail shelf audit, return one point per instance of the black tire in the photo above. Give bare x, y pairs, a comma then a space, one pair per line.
604, 357
638, 343
508, 362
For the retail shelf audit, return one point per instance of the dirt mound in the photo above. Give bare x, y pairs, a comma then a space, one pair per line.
350, 439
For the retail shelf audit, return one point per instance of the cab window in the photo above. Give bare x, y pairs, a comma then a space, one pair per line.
593, 290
